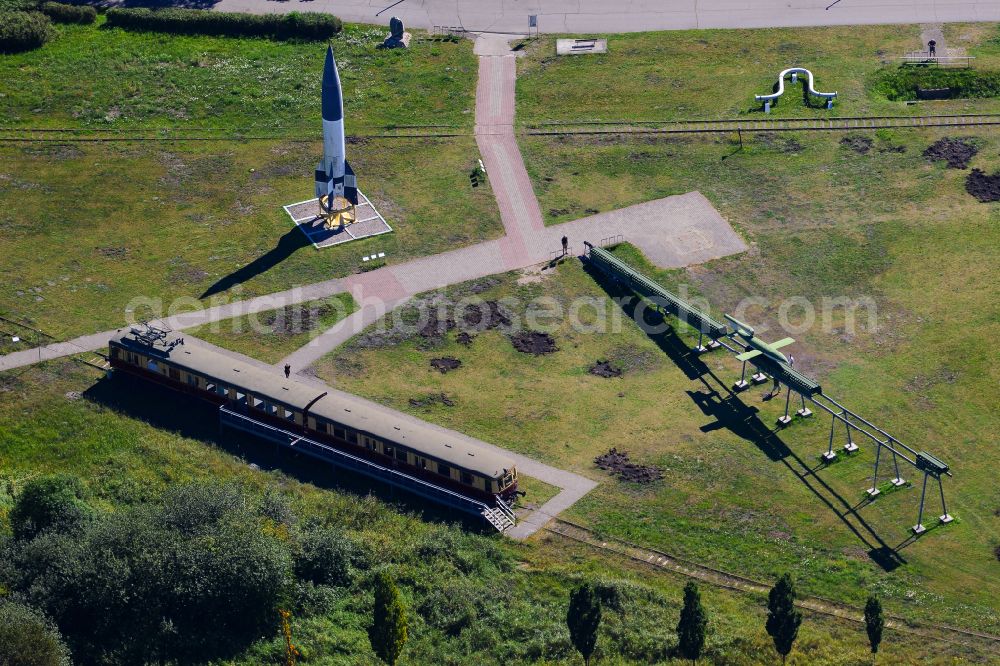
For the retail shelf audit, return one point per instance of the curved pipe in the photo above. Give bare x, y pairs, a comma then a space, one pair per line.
781, 85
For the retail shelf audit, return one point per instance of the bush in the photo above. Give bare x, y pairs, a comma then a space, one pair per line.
23, 31
27, 637
49, 502
903, 83
61, 13
295, 25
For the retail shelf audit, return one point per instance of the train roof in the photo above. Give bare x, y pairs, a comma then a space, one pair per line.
378, 420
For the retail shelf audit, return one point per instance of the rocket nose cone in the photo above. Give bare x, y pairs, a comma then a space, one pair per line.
333, 104
329, 68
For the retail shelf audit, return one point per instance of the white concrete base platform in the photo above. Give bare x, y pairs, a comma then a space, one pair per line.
741, 385
946, 518
784, 420
851, 447
918, 529
829, 456
758, 378
898, 482
305, 214
805, 412
873, 492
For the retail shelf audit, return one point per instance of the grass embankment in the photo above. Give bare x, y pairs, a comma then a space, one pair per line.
825, 221
470, 597
94, 77
703, 74
88, 227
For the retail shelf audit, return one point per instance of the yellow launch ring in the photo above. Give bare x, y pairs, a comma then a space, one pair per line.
336, 213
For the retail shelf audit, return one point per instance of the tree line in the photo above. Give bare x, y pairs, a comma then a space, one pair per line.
208, 569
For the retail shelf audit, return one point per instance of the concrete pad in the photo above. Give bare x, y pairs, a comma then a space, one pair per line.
581, 46
305, 215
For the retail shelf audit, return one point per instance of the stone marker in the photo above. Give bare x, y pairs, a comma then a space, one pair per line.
397, 39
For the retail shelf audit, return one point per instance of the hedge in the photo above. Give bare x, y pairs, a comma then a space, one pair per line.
61, 13
308, 25
23, 31
903, 83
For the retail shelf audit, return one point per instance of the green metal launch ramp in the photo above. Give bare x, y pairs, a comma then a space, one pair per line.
739, 338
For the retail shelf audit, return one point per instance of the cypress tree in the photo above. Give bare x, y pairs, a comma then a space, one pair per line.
874, 623
388, 632
583, 618
783, 618
691, 626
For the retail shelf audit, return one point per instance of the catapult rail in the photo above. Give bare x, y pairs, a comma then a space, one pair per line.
617, 270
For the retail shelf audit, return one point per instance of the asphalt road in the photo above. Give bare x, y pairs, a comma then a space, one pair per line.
603, 16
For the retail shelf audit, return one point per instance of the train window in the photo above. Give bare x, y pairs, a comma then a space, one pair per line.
401, 455
175, 374
290, 414
257, 403
192, 380
221, 390
444, 470
466, 478
423, 463
387, 450
340, 433
152, 366
209, 386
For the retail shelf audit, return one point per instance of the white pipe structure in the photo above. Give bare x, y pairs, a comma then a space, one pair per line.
794, 71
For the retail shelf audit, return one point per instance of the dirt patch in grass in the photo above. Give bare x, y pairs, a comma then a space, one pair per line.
436, 326
534, 343
997, 553
431, 400
464, 338
618, 463
604, 369
484, 316
956, 152
859, 144
984, 187
113, 252
780, 142
445, 364
293, 319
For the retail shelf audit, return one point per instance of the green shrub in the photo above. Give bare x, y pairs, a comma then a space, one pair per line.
62, 13
23, 31
295, 25
903, 83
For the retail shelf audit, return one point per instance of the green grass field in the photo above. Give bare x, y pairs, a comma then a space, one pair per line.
824, 221
704, 74
88, 227
93, 77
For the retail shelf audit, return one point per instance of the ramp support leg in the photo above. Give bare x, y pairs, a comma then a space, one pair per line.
898, 481
850, 447
830, 454
874, 491
919, 527
786, 419
742, 384
945, 517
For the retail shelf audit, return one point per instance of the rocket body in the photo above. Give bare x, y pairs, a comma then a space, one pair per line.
334, 177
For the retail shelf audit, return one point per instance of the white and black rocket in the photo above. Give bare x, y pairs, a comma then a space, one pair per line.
335, 180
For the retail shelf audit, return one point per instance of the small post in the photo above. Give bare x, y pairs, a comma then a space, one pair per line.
919, 527
946, 517
767, 106
829, 102
874, 491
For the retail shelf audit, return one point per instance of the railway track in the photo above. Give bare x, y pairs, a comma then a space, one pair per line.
549, 128
719, 578
847, 123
